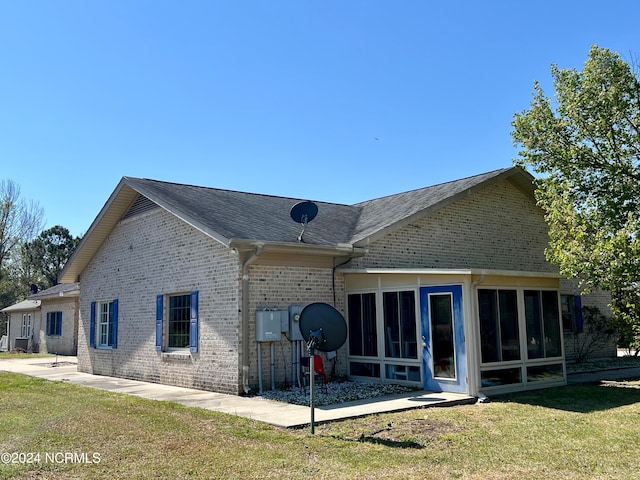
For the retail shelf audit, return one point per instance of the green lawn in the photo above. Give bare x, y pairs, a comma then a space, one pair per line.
573, 432
10, 355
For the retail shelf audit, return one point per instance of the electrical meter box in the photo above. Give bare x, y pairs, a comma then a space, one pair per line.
294, 323
268, 325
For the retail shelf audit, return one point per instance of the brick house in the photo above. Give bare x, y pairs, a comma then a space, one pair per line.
445, 287
46, 321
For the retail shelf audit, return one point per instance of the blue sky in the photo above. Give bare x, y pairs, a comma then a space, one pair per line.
338, 101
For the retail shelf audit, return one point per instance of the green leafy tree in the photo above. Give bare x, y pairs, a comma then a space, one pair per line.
585, 147
626, 303
45, 256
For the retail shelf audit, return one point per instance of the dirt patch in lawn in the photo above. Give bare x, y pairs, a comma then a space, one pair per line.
409, 432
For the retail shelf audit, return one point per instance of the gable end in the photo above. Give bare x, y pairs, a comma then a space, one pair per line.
141, 205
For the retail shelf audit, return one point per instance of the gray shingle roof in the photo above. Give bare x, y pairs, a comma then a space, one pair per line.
382, 213
250, 216
235, 218
24, 305
59, 290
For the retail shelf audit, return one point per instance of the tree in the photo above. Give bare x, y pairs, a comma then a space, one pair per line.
47, 254
585, 146
19, 220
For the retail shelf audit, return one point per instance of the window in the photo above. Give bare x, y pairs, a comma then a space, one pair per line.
104, 324
543, 326
520, 337
178, 322
542, 373
442, 335
383, 333
499, 333
400, 325
571, 309
177, 328
360, 369
25, 331
54, 323
410, 373
504, 376
363, 336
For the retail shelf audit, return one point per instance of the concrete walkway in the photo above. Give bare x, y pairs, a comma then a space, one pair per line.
600, 375
256, 408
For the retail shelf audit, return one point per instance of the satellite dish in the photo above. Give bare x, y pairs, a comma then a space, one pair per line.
303, 213
324, 329
324, 326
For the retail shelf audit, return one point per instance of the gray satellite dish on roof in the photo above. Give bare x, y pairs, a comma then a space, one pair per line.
303, 213
323, 328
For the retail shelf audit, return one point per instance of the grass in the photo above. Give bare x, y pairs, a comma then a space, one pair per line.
574, 432
12, 355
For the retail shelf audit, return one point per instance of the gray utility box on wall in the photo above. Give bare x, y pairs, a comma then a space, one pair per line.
294, 323
269, 325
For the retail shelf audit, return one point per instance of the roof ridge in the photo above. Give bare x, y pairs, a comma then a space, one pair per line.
242, 192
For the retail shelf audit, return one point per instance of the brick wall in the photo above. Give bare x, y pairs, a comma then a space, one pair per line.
156, 253
65, 344
498, 227
278, 287
602, 347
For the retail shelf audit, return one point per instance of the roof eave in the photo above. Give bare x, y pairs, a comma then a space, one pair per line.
340, 249
23, 306
485, 272
110, 214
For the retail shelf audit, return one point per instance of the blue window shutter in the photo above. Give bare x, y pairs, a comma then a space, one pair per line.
193, 330
92, 326
114, 328
159, 312
578, 309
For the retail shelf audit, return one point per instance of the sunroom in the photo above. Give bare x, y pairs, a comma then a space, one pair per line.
455, 330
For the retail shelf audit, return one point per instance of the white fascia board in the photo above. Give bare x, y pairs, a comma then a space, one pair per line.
283, 247
412, 271
452, 271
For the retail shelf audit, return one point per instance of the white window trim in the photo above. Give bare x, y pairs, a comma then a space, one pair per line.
99, 345
26, 326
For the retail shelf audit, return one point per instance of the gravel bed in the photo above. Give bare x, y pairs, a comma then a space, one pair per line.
336, 392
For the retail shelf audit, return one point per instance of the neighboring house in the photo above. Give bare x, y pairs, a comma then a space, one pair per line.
46, 321
445, 287
20, 324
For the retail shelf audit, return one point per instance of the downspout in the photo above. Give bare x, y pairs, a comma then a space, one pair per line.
333, 278
245, 318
